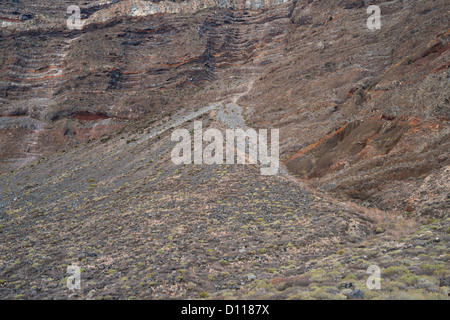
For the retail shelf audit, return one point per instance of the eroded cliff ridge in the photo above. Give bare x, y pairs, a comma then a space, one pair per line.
316, 68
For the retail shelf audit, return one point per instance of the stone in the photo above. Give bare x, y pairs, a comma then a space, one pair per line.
251, 277
356, 294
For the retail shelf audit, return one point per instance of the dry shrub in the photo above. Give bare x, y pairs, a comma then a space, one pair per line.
298, 281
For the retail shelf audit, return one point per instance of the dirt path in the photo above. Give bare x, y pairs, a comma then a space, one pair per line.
179, 119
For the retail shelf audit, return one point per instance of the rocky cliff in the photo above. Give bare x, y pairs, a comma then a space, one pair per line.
317, 70
85, 121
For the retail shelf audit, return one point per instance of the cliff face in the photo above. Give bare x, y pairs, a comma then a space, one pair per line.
122, 66
315, 66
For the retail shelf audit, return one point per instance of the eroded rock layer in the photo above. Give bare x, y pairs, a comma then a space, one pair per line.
361, 112
123, 66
